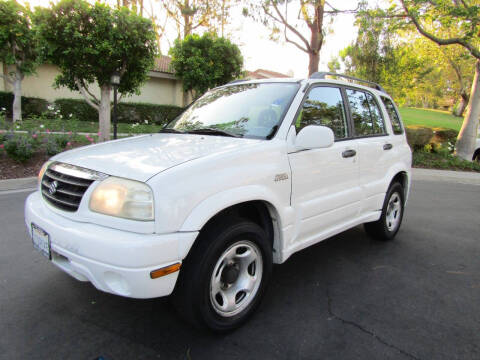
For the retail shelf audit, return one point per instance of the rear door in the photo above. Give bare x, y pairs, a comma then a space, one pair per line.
325, 188
400, 151
374, 146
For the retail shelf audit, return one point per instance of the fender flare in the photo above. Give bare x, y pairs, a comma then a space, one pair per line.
214, 204
393, 171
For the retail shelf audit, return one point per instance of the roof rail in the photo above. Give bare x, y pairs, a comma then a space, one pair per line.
236, 81
322, 75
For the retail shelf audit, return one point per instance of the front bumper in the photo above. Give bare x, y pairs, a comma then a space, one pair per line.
114, 261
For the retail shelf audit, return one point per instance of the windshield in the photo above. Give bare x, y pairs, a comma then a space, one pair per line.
243, 110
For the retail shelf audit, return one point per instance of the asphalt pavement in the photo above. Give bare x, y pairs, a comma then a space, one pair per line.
349, 297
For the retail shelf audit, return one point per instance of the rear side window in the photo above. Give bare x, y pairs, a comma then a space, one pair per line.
367, 117
393, 115
324, 106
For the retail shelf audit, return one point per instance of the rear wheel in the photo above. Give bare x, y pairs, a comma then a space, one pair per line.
392, 214
225, 275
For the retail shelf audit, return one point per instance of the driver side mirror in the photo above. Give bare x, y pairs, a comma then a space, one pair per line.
314, 137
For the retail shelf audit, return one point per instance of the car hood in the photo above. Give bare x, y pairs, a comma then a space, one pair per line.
142, 157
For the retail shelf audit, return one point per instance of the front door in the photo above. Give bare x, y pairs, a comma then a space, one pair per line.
325, 187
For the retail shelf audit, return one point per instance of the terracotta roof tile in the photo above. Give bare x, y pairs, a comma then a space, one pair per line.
162, 64
265, 74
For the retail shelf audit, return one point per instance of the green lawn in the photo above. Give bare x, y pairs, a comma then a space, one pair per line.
430, 118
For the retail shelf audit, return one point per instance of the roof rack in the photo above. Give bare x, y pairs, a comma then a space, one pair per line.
236, 81
322, 75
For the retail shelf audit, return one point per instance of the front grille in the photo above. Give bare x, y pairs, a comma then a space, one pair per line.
65, 191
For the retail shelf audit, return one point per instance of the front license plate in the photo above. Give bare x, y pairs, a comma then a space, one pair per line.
41, 241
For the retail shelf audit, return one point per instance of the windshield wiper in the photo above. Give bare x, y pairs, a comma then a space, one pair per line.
211, 131
171, 131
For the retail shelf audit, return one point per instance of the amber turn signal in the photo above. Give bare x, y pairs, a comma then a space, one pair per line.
154, 274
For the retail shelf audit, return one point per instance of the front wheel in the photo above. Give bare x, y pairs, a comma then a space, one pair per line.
392, 214
223, 279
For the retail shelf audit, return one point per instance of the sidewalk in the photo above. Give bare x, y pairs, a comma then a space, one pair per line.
459, 177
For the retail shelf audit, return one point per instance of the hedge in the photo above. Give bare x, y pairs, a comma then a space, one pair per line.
126, 112
30, 106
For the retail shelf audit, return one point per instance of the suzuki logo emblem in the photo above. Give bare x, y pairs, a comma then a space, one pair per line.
52, 189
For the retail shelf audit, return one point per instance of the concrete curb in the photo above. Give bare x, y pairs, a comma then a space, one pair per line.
18, 184
460, 177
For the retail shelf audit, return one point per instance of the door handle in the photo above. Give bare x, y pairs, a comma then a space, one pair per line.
387, 146
349, 153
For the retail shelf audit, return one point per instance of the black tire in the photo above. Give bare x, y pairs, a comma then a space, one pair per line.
476, 156
382, 229
192, 296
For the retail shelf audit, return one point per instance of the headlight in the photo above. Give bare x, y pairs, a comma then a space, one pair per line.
42, 171
123, 198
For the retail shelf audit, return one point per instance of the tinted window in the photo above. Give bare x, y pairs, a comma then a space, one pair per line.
324, 106
393, 115
367, 118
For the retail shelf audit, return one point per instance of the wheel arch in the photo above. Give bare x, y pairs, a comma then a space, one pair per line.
258, 207
402, 177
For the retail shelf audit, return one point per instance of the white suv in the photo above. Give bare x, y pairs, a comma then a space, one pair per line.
249, 174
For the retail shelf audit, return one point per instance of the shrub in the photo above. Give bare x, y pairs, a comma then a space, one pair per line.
19, 147
442, 135
139, 112
425, 159
418, 136
130, 113
55, 144
51, 146
77, 108
30, 106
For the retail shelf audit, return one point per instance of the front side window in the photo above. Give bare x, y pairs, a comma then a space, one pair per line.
243, 110
393, 115
367, 117
324, 106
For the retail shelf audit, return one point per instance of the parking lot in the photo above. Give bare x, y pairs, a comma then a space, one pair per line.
417, 297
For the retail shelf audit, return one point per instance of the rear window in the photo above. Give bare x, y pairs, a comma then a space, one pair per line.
393, 115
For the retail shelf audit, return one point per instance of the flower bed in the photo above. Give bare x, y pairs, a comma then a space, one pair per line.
22, 154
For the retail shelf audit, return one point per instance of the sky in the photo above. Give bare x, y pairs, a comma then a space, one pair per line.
261, 52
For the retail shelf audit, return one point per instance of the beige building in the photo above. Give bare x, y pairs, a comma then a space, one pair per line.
162, 87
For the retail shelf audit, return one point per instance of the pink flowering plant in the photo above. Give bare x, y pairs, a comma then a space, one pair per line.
55, 144
19, 147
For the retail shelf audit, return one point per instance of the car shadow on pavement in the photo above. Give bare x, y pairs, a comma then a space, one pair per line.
297, 303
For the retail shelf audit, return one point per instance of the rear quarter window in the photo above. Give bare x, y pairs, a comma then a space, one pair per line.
393, 115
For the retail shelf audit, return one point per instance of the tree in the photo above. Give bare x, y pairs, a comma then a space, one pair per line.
447, 22
134, 5
189, 15
312, 14
17, 48
372, 53
91, 42
204, 62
